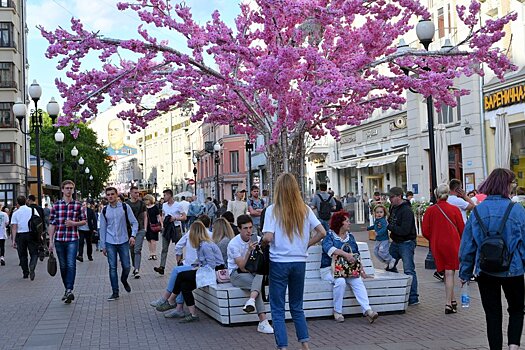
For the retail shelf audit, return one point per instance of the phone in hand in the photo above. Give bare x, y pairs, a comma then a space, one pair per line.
254, 238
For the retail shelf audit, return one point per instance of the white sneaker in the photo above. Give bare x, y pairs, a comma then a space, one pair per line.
249, 306
264, 327
371, 315
338, 317
157, 302
391, 264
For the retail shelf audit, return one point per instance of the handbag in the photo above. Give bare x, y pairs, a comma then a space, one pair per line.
222, 275
342, 267
257, 262
205, 276
52, 264
155, 228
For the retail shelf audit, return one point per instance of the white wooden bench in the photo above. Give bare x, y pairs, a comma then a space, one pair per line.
387, 292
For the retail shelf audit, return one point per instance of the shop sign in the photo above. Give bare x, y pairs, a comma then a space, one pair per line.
505, 97
348, 139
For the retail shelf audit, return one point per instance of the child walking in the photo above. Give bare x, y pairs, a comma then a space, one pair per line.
382, 246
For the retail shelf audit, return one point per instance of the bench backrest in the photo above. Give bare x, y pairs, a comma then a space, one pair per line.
313, 263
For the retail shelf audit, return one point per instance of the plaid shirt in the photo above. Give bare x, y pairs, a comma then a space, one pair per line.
60, 213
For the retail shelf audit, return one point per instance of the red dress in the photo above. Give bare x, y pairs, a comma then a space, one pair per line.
443, 235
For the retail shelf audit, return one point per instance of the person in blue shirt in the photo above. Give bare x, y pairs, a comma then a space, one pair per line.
382, 245
497, 187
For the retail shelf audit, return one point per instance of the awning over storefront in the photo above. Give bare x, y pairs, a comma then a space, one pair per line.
349, 163
378, 161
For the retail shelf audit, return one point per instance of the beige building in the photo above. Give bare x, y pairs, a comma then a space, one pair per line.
165, 151
13, 158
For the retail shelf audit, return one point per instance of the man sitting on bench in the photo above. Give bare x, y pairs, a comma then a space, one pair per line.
239, 250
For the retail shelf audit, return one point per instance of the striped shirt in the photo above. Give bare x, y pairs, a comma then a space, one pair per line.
60, 213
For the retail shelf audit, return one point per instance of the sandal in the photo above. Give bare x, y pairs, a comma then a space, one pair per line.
454, 305
154, 257
449, 310
150, 257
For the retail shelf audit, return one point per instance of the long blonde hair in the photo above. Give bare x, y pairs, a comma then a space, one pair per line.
198, 234
289, 208
221, 229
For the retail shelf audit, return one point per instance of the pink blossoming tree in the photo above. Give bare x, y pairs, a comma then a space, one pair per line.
289, 68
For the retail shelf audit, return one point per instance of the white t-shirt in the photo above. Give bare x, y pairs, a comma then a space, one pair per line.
21, 218
460, 203
185, 206
237, 248
4, 221
174, 209
281, 249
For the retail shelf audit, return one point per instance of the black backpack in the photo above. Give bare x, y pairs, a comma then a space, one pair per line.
128, 224
325, 209
36, 226
494, 255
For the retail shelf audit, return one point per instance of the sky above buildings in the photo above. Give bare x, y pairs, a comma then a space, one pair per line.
103, 16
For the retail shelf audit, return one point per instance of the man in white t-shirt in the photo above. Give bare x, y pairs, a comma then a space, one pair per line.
4, 222
459, 198
176, 213
22, 240
238, 207
239, 251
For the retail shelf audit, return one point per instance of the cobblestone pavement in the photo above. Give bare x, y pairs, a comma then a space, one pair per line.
33, 317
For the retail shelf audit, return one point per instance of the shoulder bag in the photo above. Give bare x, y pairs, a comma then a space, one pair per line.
342, 267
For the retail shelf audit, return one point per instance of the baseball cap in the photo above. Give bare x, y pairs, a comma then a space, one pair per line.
242, 191
395, 191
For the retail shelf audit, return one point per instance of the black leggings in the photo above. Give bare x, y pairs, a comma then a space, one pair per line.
2, 247
490, 291
185, 283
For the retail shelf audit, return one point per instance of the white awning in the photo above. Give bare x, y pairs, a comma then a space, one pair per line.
378, 161
349, 163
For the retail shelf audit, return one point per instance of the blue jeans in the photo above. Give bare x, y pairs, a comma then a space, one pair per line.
289, 275
405, 252
66, 255
123, 252
173, 277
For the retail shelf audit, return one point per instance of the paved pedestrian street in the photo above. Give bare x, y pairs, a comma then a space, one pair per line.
33, 317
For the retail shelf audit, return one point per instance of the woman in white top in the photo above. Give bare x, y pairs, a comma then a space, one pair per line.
287, 226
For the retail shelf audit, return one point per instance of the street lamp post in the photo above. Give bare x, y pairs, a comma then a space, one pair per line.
155, 189
195, 160
59, 139
90, 183
80, 163
249, 149
217, 149
425, 32
36, 125
86, 171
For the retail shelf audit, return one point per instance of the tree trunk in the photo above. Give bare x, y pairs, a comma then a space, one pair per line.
287, 156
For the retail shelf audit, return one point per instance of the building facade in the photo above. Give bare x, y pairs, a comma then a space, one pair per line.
14, 160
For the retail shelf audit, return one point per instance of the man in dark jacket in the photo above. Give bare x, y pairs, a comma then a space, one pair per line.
402, 229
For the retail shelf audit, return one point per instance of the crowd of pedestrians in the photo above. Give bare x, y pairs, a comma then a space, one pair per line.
480, 234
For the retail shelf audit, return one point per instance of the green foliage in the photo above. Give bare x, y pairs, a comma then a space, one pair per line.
93, 153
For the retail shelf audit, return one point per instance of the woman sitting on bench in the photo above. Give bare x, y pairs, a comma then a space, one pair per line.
333, 243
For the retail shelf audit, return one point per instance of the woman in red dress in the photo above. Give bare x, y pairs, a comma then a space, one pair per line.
443, 226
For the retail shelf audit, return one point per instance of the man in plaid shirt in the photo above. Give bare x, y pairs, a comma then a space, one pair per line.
66, 216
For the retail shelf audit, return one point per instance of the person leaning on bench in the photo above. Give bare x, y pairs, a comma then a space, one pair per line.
239, 250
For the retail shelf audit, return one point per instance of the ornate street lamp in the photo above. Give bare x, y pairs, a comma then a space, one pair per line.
217, 149
59, 139
249, 149
36, 125
195, 160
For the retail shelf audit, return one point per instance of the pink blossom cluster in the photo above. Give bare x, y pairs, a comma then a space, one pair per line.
287, 68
